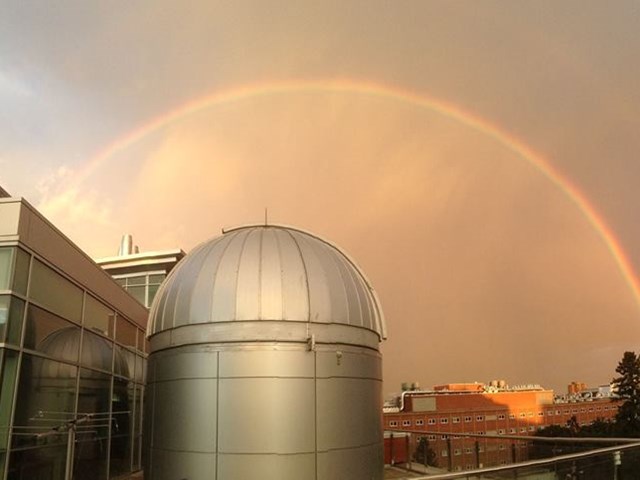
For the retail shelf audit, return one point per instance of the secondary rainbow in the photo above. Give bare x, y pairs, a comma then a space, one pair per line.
349, 86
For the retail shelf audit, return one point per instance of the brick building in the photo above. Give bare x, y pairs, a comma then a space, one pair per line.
487, 413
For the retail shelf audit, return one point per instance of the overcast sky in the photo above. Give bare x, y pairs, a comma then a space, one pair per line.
484, 267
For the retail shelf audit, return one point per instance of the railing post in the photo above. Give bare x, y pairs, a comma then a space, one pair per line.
71, 440
617, 461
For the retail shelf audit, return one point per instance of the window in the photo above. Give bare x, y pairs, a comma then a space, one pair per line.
142, 287
431, 437
406, 423
444, 453
457, 451
530, 414
11, 313
501, 431
443, 437
51, 335
467, 419
393, 423
431, 421
501, 446
455, 420
522, 415
550, 413
481, 448
512, 416
468, 451
532, 428
98, 317
6, 267
512, 430
523, 430
479, 418
56, 293
541, 414
126, 332
419, 422
501, 416
444, 421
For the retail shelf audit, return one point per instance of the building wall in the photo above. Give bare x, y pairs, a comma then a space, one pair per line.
72, 358
519, 413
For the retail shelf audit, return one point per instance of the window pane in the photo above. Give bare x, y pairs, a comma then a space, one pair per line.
140, 340
5, 300
141, 280
129, 359
156, 279
121, 281
21, 272
121, 423
92, 434
11, 313
97, 352
125, 332
153, 290
48, 390
55, 292
9, 370
6, 265
98, 316
139, 372
51, 335
138, 293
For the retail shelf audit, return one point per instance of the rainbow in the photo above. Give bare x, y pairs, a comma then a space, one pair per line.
348, 86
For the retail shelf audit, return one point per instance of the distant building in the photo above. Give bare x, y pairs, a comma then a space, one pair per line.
493, 410
72, 357
140, 273
576, 387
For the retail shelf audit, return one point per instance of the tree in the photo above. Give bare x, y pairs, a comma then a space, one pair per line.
627, 387
424, 453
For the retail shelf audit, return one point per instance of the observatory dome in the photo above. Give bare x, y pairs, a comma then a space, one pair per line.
267, 272
264, 363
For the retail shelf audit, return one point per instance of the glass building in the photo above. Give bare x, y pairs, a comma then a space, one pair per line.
72, 357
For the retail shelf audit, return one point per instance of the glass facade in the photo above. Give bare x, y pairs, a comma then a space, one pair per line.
143, 287
71, 377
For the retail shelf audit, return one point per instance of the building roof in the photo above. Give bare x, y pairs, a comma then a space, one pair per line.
4, 193
267, 272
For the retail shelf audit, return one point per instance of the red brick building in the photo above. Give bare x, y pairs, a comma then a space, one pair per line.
493, 412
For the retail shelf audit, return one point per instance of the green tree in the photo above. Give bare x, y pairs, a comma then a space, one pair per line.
627, 387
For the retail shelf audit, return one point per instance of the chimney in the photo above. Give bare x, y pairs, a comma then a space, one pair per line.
126, 245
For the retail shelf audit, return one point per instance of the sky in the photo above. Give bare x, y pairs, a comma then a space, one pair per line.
480, 160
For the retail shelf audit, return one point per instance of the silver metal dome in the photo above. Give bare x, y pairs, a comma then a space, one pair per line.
270, 273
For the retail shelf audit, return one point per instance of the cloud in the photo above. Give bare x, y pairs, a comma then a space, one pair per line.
79, 211
12, 86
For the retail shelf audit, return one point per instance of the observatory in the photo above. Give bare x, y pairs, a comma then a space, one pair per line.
264, 363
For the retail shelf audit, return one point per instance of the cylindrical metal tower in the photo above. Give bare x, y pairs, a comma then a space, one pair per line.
264, 363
